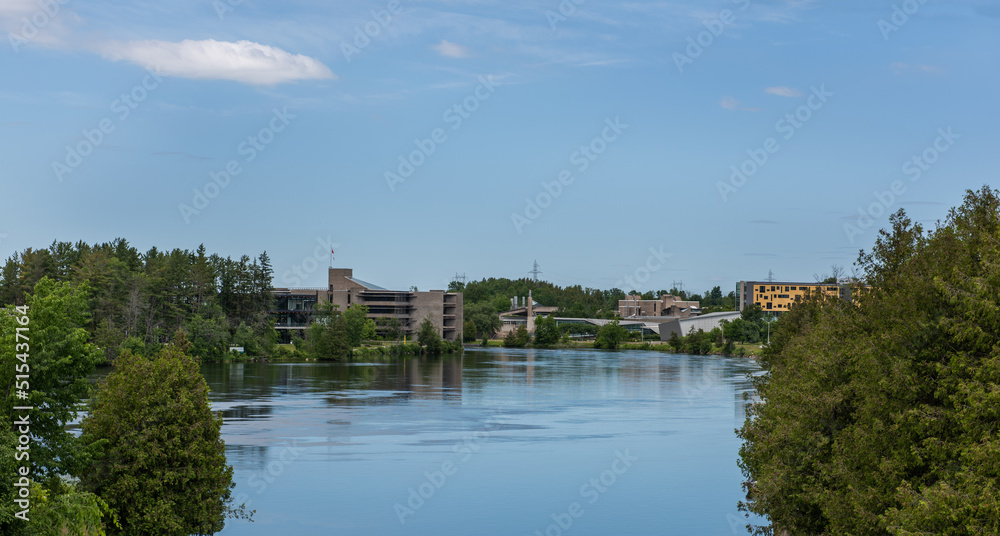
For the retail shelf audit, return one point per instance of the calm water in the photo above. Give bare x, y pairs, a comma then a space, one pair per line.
495, 442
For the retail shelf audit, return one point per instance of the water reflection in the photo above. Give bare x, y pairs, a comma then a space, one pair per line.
320, 448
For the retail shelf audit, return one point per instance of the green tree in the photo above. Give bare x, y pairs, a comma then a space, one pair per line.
369, 332
327, 335
610, 335
355, 318
429, 338
517, 338
546, 332
469, 331
57, 360
880, 417
163, 467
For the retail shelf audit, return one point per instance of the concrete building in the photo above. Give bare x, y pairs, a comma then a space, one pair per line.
294, 307
777, 297
683, 326
633, 306
523, 311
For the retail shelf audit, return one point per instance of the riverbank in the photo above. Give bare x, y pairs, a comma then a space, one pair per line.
752, 351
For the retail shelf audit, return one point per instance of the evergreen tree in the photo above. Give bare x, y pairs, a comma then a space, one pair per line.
163, 467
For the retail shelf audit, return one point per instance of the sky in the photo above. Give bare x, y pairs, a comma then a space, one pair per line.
620, 144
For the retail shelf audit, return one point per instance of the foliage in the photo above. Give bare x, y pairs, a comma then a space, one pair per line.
429, 338
390, 328
517, 338
610, 335
369, 331
355, 318
59, 509
327, 336
468, 331
163, 467
147, 296
572, 301
546, 332
484, 317
59, 360
880, 417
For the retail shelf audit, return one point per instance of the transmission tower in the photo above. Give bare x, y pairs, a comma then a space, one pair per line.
679, 285
535, 271
770, 276
461, 278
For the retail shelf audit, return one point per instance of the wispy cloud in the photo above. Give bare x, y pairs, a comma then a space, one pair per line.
730, 103
242, 61
783, 91
451, 50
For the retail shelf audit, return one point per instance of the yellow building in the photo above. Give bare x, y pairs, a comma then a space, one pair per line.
777, 297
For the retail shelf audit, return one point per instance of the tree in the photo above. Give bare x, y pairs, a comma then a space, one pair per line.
355, 318
163, 467
880, 417
517, 338
429, 338
610, 335
546, 332
56, 360
369, 332
327, 335
469, 331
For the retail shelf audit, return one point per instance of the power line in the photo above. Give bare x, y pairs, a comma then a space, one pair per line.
536, 271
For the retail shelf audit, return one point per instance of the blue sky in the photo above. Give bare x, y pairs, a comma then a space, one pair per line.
116, 116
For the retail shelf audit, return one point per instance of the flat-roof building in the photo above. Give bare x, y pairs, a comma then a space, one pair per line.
294, 307
633, 306
777, 297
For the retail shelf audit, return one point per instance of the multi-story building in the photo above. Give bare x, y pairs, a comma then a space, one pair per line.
294, 307
633, 306
777, 297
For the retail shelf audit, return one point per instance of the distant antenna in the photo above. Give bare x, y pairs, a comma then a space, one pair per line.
770, 276
535, 272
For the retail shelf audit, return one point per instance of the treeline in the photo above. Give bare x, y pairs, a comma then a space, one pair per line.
484, 300
336, 335
138, 300
148, 459
880, 417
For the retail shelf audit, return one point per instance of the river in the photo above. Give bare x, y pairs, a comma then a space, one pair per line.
493, 442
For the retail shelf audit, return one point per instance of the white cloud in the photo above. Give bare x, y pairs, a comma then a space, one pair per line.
782, 91
451, 50
730, 103
242, 61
